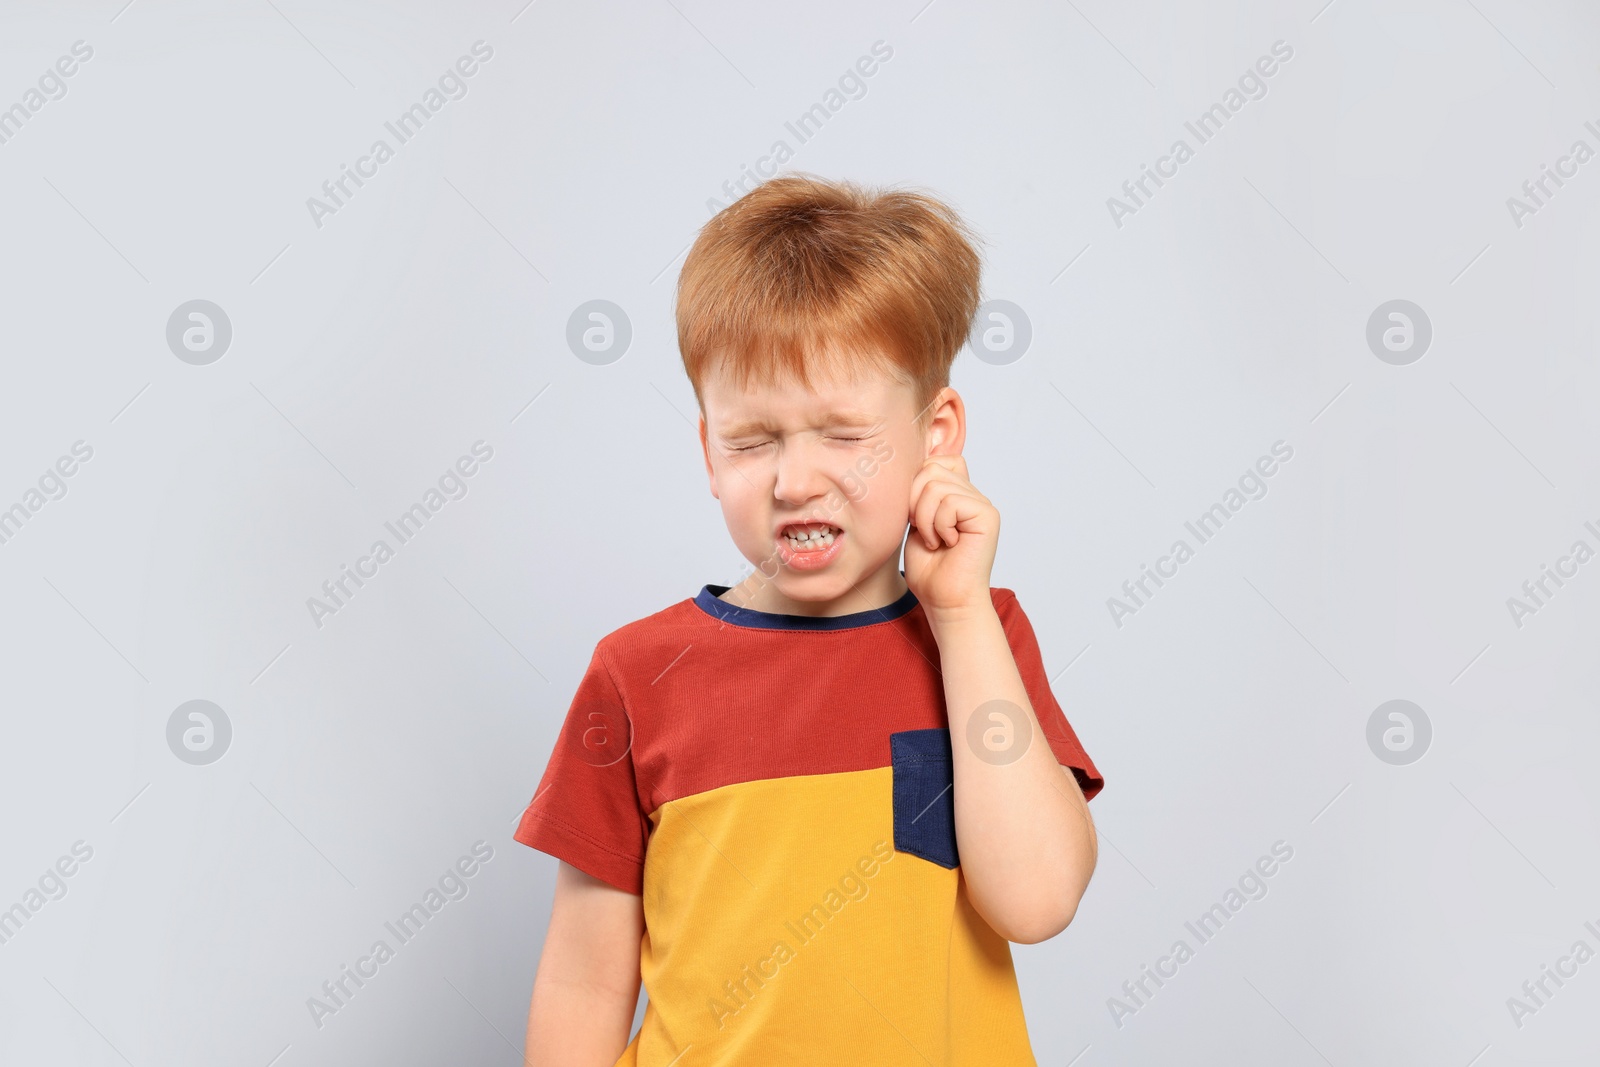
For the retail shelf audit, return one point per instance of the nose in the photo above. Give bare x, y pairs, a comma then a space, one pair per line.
801, 476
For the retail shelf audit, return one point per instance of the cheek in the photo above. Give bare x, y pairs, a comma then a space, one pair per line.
885, 505
742, 503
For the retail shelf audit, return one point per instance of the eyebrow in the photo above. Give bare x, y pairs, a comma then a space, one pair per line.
832, 419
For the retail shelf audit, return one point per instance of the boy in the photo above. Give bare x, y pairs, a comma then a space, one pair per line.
811, 810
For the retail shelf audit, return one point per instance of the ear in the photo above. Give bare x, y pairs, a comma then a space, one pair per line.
946, 434
705, 453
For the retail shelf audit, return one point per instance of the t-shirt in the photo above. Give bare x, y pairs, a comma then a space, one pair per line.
779, 790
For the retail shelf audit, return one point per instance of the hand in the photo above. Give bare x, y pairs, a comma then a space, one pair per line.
954, 533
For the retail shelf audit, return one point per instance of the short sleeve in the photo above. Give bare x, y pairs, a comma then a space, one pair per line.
586, 810
1030, 664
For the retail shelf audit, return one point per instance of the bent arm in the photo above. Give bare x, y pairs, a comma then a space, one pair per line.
1027, 842
587, 986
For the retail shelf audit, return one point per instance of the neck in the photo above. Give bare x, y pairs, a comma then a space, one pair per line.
878, 589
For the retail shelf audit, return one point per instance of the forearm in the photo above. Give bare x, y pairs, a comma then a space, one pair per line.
1026, 840
587, 985
573, 1024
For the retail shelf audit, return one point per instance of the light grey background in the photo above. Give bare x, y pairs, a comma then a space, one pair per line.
1167, 354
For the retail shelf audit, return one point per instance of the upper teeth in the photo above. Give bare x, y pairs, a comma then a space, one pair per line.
811, 533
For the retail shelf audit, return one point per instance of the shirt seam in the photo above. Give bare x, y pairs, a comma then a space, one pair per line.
595, 841
602, 653
694, 602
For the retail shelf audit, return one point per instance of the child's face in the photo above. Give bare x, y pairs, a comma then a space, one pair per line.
842, 454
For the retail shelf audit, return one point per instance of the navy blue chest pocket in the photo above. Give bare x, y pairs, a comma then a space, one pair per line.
924, 795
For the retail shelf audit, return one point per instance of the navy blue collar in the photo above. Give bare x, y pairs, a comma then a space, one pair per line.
707, 600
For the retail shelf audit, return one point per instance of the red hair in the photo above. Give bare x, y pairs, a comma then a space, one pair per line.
804, 274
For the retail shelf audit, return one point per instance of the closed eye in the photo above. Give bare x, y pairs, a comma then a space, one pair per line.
760, 444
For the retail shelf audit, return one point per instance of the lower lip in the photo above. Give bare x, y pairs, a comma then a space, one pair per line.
810, 560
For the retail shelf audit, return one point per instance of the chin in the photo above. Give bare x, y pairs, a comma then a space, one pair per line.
831, 584
812, 588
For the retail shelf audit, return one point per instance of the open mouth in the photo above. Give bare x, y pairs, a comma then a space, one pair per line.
809, 536
809, 545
